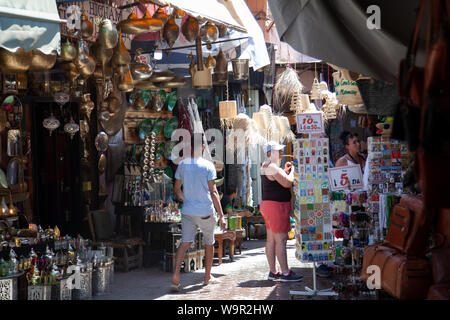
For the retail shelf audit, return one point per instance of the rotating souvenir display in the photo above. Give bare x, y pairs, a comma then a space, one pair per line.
312, 206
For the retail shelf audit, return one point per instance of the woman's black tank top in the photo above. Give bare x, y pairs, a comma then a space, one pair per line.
273, 191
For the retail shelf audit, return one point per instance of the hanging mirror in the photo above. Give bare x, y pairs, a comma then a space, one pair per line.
15, 174
13, 107
13, 143
101, 142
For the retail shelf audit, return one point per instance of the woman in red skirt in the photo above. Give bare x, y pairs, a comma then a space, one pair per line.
276, 209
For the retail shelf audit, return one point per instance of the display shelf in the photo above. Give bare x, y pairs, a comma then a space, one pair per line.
136, 114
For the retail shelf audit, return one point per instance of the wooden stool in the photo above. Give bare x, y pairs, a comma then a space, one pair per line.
240, 235
125, 261
219, 238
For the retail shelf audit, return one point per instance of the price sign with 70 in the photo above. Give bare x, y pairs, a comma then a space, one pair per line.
309, 123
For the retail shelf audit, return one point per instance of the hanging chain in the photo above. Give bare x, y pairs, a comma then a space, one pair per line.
227, 94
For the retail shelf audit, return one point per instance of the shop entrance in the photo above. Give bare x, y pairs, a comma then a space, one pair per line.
56, 169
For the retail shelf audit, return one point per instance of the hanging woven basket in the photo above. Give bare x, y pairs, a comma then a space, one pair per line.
315, 90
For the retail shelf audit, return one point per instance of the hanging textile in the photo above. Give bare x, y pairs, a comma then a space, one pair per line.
183, 118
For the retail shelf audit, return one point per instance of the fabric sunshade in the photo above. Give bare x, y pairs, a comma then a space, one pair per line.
337, 32
30, 25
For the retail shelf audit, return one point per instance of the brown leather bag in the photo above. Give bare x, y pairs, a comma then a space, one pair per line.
406, 277
442, 229
440, 263
434, 154
403, 277
409, 226
374, 255
439, 292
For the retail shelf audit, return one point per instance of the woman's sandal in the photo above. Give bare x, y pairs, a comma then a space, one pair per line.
175, 287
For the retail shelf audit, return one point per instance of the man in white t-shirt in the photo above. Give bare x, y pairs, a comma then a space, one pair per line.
200, 197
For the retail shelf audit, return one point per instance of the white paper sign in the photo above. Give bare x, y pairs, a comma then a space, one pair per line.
344, 178
309, 123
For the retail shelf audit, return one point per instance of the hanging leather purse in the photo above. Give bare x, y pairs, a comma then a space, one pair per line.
410, 77
434, 155
410, 88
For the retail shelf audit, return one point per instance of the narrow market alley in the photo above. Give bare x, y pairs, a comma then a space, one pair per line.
245, 278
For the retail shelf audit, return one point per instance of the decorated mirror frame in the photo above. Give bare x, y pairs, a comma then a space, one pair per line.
16, 180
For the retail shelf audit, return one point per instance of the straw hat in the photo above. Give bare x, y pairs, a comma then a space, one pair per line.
250, 130
311, 108
266, 111
323, 86
286, 127
260, 123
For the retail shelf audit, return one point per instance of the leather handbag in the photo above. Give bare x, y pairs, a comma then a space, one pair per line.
375, 255
434, 154
406, 277
439, 292
440, 263
442, 229
409, 226
403, 277
410, 88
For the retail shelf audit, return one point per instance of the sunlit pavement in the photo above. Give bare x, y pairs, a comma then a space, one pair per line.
243, 278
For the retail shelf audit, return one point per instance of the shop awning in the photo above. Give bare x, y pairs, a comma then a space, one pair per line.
30, 25
337, 32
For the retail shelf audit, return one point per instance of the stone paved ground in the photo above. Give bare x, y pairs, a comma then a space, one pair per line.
243, 278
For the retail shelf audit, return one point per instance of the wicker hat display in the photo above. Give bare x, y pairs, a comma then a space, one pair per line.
300, 102
323, 86
248, 127
283, 129
330, 106
261, 123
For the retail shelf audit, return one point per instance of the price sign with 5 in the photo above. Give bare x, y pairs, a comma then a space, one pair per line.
309, 123
344, 178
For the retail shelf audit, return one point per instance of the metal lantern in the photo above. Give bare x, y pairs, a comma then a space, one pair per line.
240, 68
